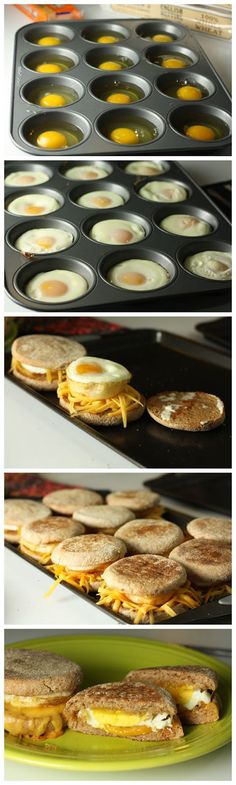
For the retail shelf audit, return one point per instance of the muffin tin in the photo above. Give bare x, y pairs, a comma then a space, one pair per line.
94, 116
93, 259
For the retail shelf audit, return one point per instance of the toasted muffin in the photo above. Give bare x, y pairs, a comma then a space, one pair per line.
192, 688
40, 360
67, 500
150, 536
103, 518
20, 512
187, 411
125, 710
81, 560
37, 687
207, 563
39, 538
211, 528
140, 502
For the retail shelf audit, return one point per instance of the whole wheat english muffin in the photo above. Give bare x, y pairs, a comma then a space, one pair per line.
206, 562
150, 536
186, 411
103, 516
40, 360
67, 500
39, 538
19, 512
137, 501
211, 528
81, 560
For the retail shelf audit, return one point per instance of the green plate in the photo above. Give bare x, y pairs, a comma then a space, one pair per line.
109, 658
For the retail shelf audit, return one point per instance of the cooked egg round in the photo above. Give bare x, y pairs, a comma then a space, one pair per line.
189, 93
139, 275
49, 40
117, 232
44, 241
95, 369
86, 172
25, 177
163, 191
185, 225
148, 168
49, 68
51, 140
107, 39
56, 286
124, 136
202, 133
33, 204
216, 265
100, 199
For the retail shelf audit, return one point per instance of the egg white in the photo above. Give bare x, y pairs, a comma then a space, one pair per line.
155, 275
111, 371
29, 242
87, 200
76, 286
103, 231
163, 191
176, 224
145, 168
81, 172
48, 204
18, 178
206, 263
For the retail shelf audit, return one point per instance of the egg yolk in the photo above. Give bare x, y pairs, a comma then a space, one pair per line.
119, 98
48, 68
173, 62
48, 40
107, 39
46, 243
26, 179
163, 38
121, 236
124, 136
53, 288
189, 93
33, 209
51, 140
52, 99
201, 132
90, 176
110, 65
101, 201
132, 278
89, 368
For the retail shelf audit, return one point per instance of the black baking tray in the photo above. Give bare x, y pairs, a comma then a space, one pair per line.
159, 361
93, 259
93, 115
207, 614
205, 491
219, 331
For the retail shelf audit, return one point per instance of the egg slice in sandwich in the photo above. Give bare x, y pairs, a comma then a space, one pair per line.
37, 686
81, 560
193, 689
98, 392
40, 360
147, 589
125, 710
39, 538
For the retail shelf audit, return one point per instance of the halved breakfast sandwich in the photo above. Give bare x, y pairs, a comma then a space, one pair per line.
193, 689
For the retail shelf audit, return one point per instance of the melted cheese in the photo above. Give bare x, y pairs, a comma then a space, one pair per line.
42, 556
188, 697
124, 722
120, 404
42, 374
80, 580
37, 721
185, 596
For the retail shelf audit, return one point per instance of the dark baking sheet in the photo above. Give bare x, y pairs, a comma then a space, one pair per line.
205, 491
159, 361
206, 614
90, 111
97, 258
221, 195
219, 331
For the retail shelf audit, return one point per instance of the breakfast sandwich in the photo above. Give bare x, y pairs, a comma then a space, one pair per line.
67, 500
37, 686
187, 411
21, 512
40, 360
193, 689
150, 536
39, 538
147, 588
98, 392
103, 518
142, 502
208, 565
211, 528
126, 710
81, 560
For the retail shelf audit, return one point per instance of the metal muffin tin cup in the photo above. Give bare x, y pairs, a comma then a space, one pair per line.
92, 31
29, 270
115, 118
167, 79
55, 82
102, 83
49, 55
86, 56
180, 208
36, 31
99, 185
172, 50
206, 245
37, 190
136, 253
47, 121
157, 245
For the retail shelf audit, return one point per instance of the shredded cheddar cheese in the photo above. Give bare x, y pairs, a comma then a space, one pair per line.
50, 373
217, 591
42, 558
80, 580
122, 404
185, 595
